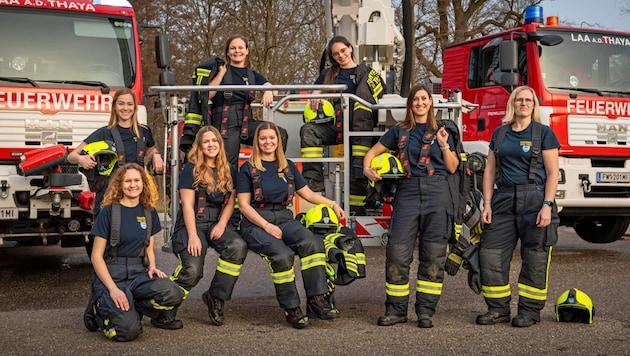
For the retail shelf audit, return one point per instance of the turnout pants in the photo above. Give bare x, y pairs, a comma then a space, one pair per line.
146, 296
514, 212
232, 251
314, 136
423, 205
279, 255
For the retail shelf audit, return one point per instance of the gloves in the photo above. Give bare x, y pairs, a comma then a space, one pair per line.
471, 262
453, 263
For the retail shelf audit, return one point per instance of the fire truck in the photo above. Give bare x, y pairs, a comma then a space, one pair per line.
582, 79
60, 65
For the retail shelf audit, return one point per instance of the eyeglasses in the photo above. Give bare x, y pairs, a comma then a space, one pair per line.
526, 101
342, 51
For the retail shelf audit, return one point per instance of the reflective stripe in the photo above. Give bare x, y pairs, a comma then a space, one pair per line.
357, 200
283, 277
110, 332
397, 290
533, 292
455, 258
175, 276
358, 106
314, 260
496, 292
427, 287
360, 258
312, 152
359, 150
193, 119
229, 268
160, 307
351, 262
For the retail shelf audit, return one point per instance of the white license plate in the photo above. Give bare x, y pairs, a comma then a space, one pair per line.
9, 214
605, 177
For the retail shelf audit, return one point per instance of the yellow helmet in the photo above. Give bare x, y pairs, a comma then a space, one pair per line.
104, 153
321, 216
575, 306
388, 166
325, 113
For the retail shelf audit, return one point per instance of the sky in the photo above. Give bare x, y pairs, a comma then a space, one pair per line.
589, 13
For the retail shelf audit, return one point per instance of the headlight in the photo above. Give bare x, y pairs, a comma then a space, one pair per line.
477, 162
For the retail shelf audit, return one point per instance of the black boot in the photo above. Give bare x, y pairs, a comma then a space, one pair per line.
89, 316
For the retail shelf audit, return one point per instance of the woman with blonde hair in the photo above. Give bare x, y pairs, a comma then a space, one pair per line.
265, 188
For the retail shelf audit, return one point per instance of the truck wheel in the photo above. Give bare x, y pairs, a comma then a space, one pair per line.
603, 229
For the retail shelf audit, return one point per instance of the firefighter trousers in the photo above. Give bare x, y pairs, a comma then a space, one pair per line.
514, 212
422, 206
280, 254
312, 139
232, 251
147, 296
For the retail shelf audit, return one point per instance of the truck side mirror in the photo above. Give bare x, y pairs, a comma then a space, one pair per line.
162, 51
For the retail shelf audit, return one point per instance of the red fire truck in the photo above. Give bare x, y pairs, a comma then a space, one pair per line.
60, 64
582, 79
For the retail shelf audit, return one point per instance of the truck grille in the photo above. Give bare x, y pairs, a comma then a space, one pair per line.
598, 131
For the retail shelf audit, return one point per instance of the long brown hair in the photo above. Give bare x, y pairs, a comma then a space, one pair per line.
149, 195
219, 179
333, 72
409, 123
256, 158
227, 49
113, 116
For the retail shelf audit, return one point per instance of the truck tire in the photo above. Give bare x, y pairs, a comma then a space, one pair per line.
603, 229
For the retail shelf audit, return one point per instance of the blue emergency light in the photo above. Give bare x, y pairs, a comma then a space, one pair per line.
534, 14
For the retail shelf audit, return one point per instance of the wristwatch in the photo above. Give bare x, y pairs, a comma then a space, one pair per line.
548, 202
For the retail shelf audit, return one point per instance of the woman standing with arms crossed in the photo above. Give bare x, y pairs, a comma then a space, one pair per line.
265, 187
423, 204
231, 110
128, 284
521, 207
207, 194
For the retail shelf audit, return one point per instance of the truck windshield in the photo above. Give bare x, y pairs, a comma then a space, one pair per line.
64, 46
587, 61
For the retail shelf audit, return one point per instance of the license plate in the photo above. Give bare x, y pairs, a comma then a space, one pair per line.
604, 177
9, 214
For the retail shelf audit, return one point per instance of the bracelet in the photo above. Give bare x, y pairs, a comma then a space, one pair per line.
444, 148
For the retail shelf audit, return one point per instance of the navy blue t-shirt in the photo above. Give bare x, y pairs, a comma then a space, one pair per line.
186, 181
128, 137
414, 147
133, 229
239, 77
515, 154
347, 76
273, 183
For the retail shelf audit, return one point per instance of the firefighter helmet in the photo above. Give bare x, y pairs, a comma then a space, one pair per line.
574, 306
388, 166
104, 153
325, 113
321, 216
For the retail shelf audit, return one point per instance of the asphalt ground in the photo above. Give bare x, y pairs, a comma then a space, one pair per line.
44, 290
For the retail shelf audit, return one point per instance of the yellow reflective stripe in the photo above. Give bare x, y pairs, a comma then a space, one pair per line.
283, 277
357, 200
455, 258
496, 292
109, 332
533, 292
360, 258
312, 152
175, 276
193, 119
375, 83
427, 287
458, 231
229, 268
160, 307
314, 260
359, 106
397, 290
462, 157
359, 150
